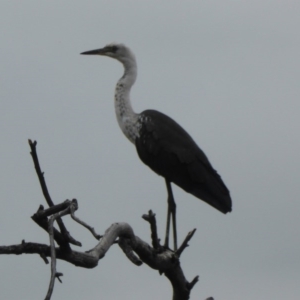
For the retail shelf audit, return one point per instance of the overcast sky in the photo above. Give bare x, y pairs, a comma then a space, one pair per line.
227, 71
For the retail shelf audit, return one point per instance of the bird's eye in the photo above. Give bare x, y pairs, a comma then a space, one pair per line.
114, 48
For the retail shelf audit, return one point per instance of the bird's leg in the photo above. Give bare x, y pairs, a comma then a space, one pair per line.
171, 211
168, 226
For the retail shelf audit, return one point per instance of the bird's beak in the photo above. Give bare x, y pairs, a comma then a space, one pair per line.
101, 51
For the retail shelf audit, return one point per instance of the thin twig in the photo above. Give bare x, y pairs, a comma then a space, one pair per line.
58, 275
53, 258
44, 258
150, 217
40, 174
193, 282
52, 246
43, 213
185, 242
73, 207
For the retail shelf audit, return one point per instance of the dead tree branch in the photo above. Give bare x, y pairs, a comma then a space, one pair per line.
136, 250
40, 174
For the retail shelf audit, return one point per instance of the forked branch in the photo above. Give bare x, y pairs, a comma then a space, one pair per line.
136, 250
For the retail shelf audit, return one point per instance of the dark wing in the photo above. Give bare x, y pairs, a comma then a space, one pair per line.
170, 151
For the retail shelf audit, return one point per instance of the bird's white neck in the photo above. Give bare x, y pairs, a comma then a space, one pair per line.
127, 118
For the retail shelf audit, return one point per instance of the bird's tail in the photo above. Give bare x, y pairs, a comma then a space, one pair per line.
217, 196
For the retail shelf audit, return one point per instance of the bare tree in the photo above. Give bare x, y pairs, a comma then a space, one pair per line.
157, 257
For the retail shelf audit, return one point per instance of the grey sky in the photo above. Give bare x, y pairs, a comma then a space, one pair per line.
227, 71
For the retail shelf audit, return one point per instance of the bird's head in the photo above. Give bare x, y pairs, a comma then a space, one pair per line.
116, 51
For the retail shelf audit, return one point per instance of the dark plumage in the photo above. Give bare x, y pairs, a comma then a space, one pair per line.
170, 151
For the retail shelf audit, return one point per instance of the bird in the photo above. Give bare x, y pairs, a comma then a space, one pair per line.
163, 145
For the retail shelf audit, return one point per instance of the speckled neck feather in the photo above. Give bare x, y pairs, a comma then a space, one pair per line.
127, 118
